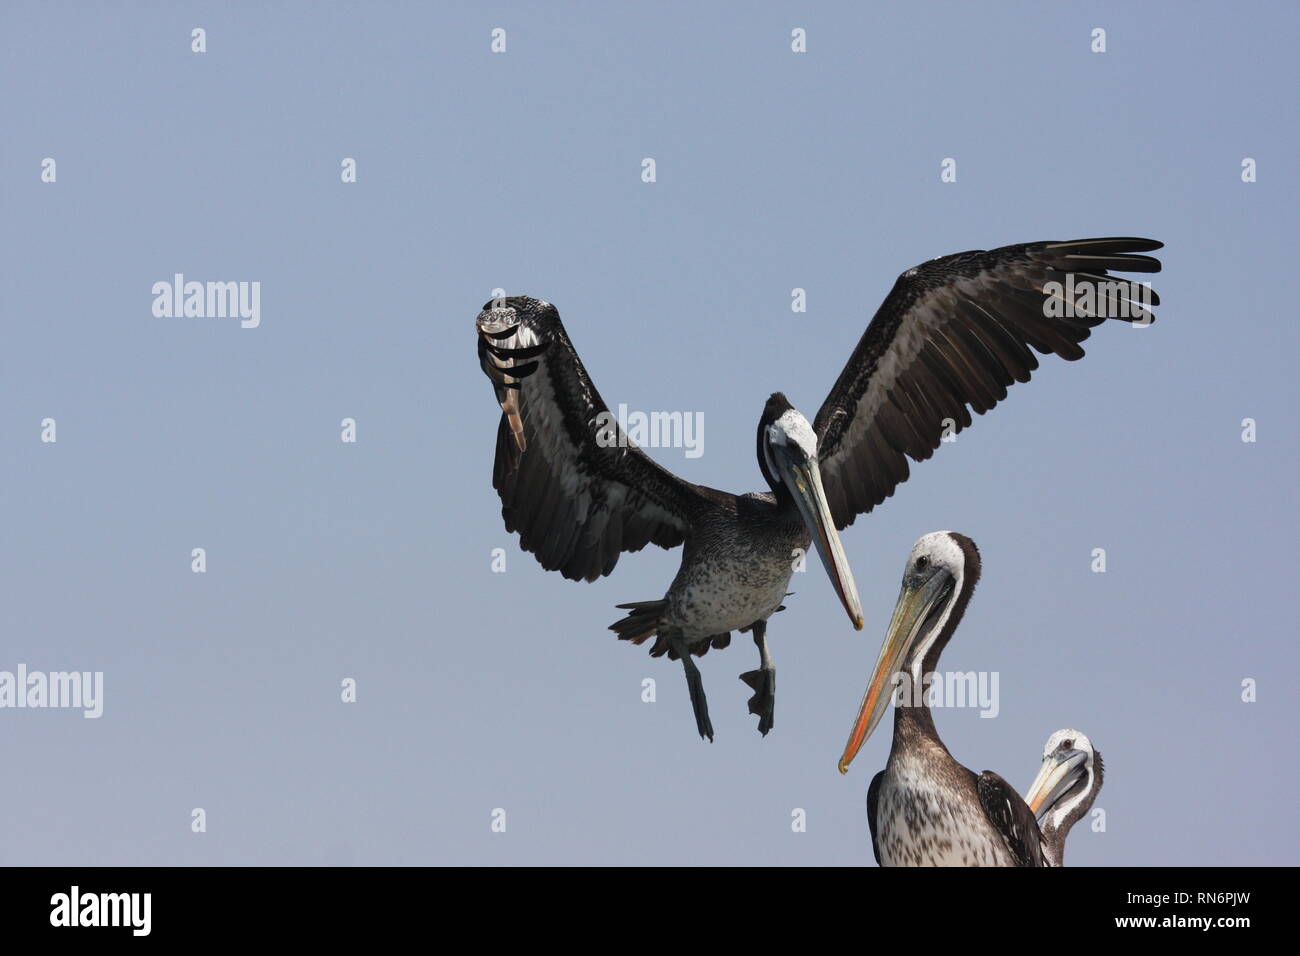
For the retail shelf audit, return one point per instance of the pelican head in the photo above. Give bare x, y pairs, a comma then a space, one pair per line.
1067, 781
938, 579
787, 453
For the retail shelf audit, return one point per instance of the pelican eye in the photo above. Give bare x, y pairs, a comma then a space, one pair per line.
922, 563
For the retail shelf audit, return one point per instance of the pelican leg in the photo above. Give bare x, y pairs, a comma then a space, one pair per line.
695, 685
763, 681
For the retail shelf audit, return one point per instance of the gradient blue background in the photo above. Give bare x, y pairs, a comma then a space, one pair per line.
522, 171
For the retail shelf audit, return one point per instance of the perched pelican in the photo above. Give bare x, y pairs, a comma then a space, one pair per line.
1064, 789
954, 332
924, 808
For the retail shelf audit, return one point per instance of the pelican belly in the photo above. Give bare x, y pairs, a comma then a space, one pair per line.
730, 582
923, 820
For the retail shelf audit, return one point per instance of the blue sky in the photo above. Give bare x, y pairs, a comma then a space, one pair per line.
522, 171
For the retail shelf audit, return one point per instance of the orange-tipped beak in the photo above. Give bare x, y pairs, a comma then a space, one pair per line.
914, 608
1057, 775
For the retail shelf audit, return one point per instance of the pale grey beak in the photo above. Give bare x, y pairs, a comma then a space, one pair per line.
803, 477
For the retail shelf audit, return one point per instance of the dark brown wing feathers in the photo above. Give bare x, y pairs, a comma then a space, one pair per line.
576, 503
951, 337
1012, 818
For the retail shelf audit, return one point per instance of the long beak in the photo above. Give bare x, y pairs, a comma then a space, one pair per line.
804, 479
1058, 774
913, 609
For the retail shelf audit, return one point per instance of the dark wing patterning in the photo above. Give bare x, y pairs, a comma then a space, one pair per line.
576, 502
873, 800
1012, 818
956, 332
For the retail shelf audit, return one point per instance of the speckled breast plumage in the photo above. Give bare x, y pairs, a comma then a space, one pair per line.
732, 576
922, 821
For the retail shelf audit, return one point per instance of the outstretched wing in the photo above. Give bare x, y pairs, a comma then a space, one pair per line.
956, 332
575, 488
1012, 818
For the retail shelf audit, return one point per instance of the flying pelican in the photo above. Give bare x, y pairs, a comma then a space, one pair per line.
954, 332
1064, 789
924, 808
